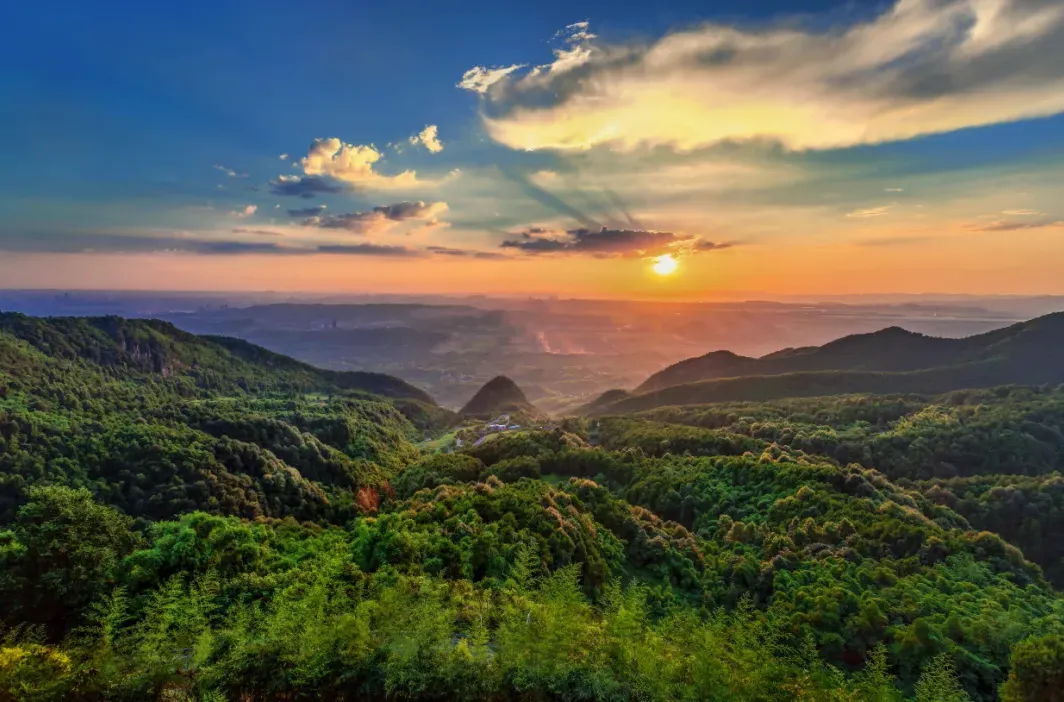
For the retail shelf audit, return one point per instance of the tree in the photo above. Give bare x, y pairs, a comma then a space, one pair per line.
1037, 671
60, 555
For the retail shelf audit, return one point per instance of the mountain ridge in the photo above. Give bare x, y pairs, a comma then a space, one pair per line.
889, 360
158, 347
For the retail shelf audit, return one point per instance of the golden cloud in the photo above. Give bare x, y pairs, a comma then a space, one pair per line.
922, 67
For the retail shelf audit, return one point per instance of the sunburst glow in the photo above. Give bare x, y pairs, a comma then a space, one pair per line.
665, 265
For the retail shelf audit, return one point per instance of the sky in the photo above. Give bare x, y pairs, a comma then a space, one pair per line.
769, 147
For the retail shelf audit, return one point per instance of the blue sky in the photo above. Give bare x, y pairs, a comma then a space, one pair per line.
741, 136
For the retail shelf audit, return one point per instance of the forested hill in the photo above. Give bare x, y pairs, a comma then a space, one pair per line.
1031, 351
888, 361
499, 395
160, 422
142, 346
184, 518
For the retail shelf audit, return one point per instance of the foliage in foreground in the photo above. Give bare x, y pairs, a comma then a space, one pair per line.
333, 632
183, 521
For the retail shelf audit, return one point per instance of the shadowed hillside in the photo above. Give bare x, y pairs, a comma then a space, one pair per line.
155, 347
889, 350
498, 395
888, 361
159, 422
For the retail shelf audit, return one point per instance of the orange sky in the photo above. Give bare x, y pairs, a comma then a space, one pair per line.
1020, 263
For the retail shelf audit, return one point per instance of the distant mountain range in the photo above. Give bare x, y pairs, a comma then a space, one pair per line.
887, 361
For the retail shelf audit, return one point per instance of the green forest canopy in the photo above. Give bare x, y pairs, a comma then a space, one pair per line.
185, 518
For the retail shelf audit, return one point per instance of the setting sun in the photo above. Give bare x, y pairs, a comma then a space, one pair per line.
665, 265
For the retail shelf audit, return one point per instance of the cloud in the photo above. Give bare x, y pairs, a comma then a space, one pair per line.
237, 247
894, 190
576, 32
297, 186
429, 138
380, 218
920, 67
283, 157
602, 242
229, 171
1023, 213
701, 245
354, 165
401, 211
164, 242
260, 232
466, 253
307, 211
1003, 226
245, 211
873, 212
142, 242
370, 250
479, 79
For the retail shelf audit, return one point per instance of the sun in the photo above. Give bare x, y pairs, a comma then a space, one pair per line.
665, 265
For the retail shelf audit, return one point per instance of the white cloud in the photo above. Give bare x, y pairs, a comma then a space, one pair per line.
480, 79
283, 157
922, 67
427, 137
245, 211
354, 164
229, 171
1023, 213
576, 32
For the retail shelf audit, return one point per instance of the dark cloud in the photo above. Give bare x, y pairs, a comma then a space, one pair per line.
302, 186
531, 244
103, 242
379, 217
601, 242
370, 250
237, 247
307, 211
352, 221
260, 232
466, 253
106, 242
701, 245
401, 211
